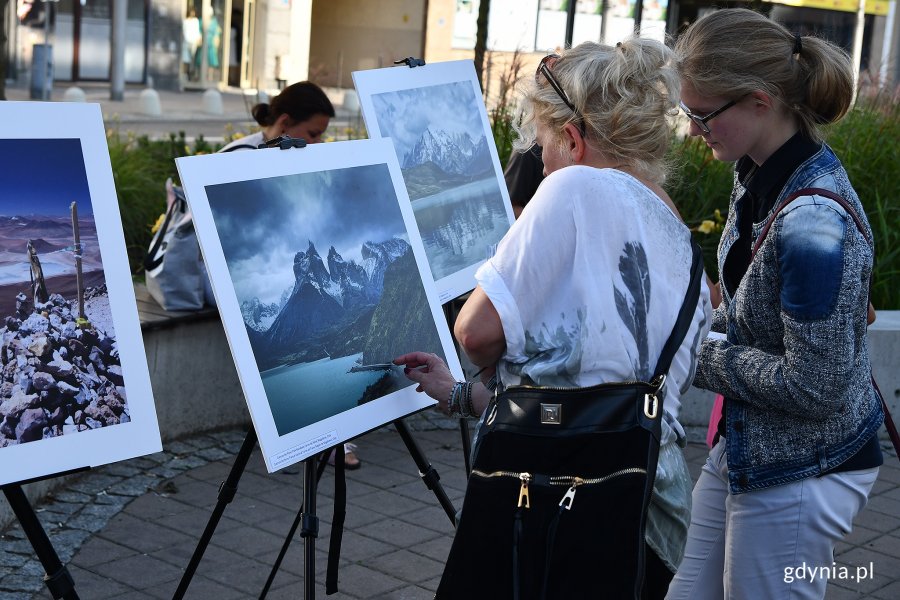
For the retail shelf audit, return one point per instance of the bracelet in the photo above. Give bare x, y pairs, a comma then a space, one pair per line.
469, 410
454, 405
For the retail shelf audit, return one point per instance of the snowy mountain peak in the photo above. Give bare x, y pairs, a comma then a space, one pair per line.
452, 152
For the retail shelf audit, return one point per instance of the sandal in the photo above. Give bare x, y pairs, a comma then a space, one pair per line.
351, 461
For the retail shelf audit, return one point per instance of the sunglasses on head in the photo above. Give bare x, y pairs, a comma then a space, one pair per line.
544, 69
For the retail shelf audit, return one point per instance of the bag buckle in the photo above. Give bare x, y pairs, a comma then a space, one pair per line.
651, 406
551, 414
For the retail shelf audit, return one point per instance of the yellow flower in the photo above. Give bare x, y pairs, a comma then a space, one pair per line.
718, 216
158, 223
707, 226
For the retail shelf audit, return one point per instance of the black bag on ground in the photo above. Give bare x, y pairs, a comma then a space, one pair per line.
557, 501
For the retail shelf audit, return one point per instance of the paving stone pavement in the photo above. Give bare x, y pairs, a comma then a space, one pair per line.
128, 530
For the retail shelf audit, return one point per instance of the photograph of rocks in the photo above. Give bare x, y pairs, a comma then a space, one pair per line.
60, 371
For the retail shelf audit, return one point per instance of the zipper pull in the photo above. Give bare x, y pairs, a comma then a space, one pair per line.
569, 498
523, 491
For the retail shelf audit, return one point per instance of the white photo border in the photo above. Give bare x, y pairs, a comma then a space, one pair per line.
200, 171
140, 436
392, 79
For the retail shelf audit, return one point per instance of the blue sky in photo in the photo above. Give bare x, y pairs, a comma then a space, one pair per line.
43, 177
403, 115
263, 223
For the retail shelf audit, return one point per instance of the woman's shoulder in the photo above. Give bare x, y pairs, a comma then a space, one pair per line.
248, 142
588, 184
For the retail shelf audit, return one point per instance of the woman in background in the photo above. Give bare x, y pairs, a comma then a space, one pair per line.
301, 110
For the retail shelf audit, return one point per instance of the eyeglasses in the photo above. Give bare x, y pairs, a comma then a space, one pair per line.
544, 69
701, 122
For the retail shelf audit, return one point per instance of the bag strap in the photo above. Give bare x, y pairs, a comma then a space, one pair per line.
809, 192
239, 147
152, 260
685, 315
338, 516
888, 419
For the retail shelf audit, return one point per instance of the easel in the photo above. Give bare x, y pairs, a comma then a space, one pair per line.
306, 517
57, 577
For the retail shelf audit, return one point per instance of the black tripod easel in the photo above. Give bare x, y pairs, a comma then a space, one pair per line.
306, 517
57, 578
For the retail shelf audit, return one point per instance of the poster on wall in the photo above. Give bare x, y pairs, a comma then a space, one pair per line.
74, 384
437, 120
321, 281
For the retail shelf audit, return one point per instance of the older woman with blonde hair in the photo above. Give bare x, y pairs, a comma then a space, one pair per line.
585, 288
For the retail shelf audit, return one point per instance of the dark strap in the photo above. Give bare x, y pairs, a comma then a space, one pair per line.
685, 315
239, 147
518, 531
888, 420
337, 522
551, 542
152, 260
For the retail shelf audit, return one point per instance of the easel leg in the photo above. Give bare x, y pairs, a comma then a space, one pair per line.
426, 471
290, 536
226, 494
57, 578
310, 529
466, 443
451, 311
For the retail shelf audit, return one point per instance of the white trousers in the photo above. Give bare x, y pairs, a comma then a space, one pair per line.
754, 545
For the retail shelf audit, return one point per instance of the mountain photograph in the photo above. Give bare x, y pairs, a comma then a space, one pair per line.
328, 298
444, 154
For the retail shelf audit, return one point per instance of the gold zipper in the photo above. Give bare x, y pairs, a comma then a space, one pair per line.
570, 481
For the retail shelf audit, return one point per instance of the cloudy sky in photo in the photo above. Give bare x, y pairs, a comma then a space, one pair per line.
403, 115
263, 223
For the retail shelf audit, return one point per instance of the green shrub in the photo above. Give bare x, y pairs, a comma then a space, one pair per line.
700, 186
140, 168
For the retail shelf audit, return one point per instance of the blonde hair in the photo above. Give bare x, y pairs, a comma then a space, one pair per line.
734, 52
623, 94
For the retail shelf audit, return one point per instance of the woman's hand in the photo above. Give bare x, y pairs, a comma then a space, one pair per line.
432, 375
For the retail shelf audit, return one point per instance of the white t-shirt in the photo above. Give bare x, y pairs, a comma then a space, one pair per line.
588, 284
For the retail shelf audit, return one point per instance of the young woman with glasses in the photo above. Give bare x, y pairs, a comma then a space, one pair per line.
797, 454
585, 287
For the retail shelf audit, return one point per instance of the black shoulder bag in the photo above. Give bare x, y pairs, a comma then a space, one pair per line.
557, 500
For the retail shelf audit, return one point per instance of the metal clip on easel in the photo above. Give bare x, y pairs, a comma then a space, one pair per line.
411, 62
284, 142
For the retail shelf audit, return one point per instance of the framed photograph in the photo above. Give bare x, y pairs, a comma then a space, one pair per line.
74, 385
436, 118
320, 278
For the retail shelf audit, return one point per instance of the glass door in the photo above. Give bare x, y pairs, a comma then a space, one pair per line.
205, 41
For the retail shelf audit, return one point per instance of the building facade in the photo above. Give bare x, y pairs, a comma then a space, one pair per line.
263, 44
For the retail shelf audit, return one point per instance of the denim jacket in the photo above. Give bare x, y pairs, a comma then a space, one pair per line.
795, 362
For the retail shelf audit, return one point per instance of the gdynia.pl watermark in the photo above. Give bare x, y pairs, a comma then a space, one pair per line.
835, 572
